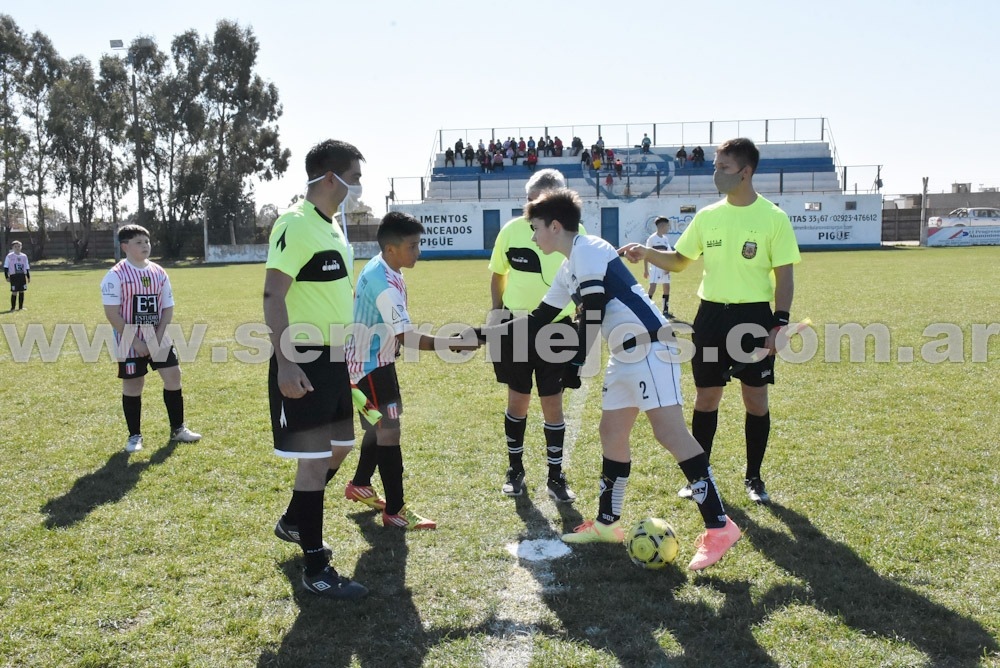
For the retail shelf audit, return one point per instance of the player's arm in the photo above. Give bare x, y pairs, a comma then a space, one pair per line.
113, 313
292, 381
784, 290
498, 285
166, 316
6, 269
667, 260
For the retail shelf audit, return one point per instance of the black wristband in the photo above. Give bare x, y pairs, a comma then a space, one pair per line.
780, 319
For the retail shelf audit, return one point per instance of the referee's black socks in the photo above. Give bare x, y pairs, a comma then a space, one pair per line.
758, 430
703, 427
513, 428
555, 438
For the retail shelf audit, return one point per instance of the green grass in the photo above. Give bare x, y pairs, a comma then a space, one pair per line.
881, 548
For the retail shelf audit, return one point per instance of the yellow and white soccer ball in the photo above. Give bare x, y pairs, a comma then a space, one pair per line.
651, 543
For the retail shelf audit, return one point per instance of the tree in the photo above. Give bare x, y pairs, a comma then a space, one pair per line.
45, 68
242, 112
119, 163
13, 141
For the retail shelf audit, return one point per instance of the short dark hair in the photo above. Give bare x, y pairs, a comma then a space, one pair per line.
128, 232
331, 156
661, 219
395, 227
742, 150
561, 204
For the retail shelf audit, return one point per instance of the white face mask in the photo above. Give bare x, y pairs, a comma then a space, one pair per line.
352, 191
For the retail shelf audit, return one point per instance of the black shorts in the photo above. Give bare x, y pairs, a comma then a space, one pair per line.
137, 367
309, 427
18, 282
516, 367
381, 388
712, 325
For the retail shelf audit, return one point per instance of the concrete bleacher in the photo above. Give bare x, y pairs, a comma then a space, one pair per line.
785, 167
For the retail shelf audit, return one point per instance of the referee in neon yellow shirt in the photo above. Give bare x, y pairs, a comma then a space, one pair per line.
749, 248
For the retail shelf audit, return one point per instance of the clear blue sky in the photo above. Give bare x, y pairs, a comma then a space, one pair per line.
911, 86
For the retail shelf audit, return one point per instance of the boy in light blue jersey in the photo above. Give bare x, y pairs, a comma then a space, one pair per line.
382, 324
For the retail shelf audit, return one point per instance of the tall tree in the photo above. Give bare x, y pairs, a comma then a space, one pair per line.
45, 68
243, 110
119, 162
13, 141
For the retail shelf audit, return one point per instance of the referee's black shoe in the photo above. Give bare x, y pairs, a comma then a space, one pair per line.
559, 489
514, 485
330, 584
756, 491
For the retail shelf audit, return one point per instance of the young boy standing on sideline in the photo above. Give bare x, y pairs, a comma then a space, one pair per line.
658, 276
18, 274
139, 304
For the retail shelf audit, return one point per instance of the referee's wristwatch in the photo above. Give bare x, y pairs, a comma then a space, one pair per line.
780, 320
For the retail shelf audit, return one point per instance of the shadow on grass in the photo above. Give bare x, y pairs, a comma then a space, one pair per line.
842, 585
384, 629
108, 484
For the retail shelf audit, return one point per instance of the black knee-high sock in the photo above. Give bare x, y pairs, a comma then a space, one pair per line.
132, 407
390, 470
310, 523
614, 478
20, 300
367, 459
555, 437
330, 473
174, 401
13, 301
758, 429
703, 427
704, 491
514, 429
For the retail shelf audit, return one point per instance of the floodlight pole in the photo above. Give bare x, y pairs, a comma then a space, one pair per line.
923, 215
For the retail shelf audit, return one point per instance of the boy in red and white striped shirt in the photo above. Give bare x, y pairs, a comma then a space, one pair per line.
139, 304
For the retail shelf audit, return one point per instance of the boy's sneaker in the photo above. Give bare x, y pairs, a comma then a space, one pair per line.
365, 494
713, 544
756, 491
134, 443
330, 584
559, 489
593, 531
407, 519
184, 435
290, 533
515, 483
685, 492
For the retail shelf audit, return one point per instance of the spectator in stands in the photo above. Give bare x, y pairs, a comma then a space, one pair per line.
619, 167
512, 154
459, 147
470, 156
557, 147
531, 143
485, 162
498, 161
531, 160
609, 157
698, 156
522, 148
482, 147
577, 145
585, 158
449, 156
506, 145
646, 143
596, 164
600, 142
547, 146
609, 182
682, 157
492, 147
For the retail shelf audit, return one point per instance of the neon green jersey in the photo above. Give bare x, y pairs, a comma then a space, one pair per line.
529, 271
312, 250
741, 245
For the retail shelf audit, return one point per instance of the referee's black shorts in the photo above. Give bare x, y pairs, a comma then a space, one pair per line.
309, 427
715, 346
517, 375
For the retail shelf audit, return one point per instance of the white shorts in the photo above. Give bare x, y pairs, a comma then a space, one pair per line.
649, 383
657, 275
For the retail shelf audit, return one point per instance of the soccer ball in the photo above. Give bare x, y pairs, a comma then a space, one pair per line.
651, 543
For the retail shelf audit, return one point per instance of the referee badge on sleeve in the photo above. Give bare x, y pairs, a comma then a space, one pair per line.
750, 250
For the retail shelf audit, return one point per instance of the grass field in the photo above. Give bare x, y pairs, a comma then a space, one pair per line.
881, 548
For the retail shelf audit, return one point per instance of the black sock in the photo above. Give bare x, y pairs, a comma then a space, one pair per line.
13, 301
291, 515
310, 523
758, 429
174, 401
614, 478
20, 300
132, 407
704, 491
330, 473
390, 470
555, 436
514, 429
703, 426
367, 459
